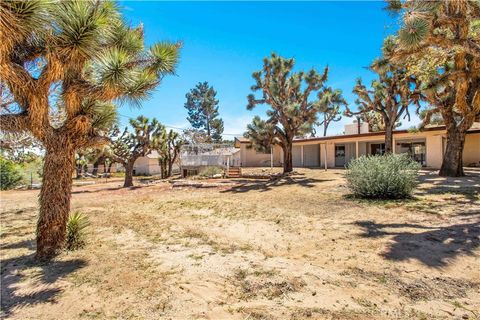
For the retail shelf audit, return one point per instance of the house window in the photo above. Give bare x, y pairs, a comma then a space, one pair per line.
416, 150
377, 148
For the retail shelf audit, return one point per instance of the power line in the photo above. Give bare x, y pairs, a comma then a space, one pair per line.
178, 128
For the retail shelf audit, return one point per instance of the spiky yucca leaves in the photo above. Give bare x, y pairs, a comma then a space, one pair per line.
168, 146
127, 146
85, 50
77, 225
262, 134
287, 93
330, 104
390, 95
440, 45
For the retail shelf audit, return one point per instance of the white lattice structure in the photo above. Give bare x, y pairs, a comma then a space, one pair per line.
198, 156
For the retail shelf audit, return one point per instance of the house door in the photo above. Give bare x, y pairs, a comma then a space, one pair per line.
297, 156
339, 155
311, 155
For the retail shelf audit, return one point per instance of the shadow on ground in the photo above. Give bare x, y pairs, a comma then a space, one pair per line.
433, 246
468, 186
263, 185
15, 270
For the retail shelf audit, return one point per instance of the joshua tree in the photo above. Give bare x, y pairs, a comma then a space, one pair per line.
390, 95
128, 147
440, 44
290, 113
202, 107
80, 163
86, 51
330, 102
168, 148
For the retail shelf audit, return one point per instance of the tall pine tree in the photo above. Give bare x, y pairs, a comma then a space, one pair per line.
203, 115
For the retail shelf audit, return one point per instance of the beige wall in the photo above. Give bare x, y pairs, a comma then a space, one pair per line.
433, 144
471, 150
146, 166
251, 158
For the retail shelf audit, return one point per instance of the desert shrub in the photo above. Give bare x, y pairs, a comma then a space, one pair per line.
211, 171
76, 231
31, 171
390, 176
10, 176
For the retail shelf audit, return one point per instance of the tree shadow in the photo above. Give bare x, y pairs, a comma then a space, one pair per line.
99, 190
433, 246
15, 271
432, 184
262, 185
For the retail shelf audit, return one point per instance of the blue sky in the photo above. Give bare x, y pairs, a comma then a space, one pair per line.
224, 42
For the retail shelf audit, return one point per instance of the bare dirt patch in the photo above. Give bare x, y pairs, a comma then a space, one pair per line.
296, 247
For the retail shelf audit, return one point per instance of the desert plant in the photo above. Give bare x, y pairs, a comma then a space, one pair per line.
76, 230
128, 147
389, 176
211, 171
439, 43
291, 113
86, 57
9, 174
390, 95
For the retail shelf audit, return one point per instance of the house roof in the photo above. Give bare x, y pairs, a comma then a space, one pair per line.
474, 129
243, 140
153, 155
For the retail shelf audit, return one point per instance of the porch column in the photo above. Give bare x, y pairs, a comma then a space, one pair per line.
394, 144
356, 149
228, 163
325, 155
301, 155
271, 157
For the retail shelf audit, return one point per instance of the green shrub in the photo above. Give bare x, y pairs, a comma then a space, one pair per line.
76, 231
391, 176
31, 171
9, 174
211, 171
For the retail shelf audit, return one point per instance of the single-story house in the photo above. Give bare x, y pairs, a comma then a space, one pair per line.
426, 147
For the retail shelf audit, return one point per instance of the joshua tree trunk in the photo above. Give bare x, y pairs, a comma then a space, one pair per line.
128, 174
95, 166
109, 167
287, 158
163, 169
388, 137
79, 171
169, 172
58, 167
452, 164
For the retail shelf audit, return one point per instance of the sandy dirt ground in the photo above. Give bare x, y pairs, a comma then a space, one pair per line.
295, 248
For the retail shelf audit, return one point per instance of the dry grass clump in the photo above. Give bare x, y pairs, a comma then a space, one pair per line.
266, 284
